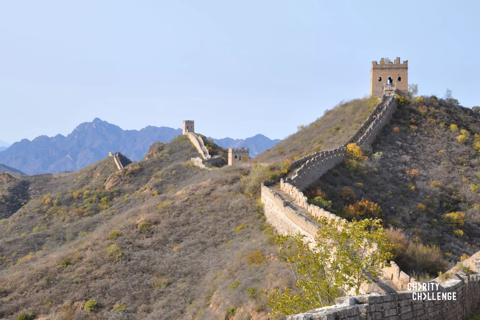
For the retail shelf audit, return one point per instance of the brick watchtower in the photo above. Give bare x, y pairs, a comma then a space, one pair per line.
236, 155
389, 76
188, 126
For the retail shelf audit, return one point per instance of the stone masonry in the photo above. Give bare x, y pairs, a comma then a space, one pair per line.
119, 160
188, 126
288, 211
311, 168
389, 76
238, 155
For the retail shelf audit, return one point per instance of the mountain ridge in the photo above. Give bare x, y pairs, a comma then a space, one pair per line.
91, 141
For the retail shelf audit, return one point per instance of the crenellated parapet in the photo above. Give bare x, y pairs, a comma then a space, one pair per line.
309, 169
455, 298
389, 76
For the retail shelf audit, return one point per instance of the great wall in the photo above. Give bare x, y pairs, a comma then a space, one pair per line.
119, 160
287, 209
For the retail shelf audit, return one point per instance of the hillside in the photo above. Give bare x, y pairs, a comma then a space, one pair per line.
423, 172
7, 169
160, 240
334, 128
91, 142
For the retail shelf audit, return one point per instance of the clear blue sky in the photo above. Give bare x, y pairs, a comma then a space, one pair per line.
236, 67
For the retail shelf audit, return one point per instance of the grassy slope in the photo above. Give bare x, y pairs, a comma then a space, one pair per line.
169, 241
419, 173
330, 131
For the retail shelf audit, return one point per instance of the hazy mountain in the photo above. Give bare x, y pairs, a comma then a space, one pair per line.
91, 141
3, 145
7, 169
257, 144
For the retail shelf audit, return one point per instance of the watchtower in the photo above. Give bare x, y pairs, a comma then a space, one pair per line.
238, 155
388, 76
188, 126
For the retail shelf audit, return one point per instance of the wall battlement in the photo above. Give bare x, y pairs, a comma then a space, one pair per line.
238, 155
387, 63
313, 167
288, 211
402, 305
388, 75
188, 126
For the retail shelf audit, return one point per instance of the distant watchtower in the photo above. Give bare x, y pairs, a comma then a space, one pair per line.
237, 155
188, 126
389, 77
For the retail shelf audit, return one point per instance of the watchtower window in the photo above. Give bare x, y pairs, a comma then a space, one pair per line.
399, 79
379, 79
389, 81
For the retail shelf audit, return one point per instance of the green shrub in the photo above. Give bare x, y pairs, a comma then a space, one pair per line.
321, 202
119, 307
355, 152
114, 234
476, 142
252, 293
115, 252
239, 228
344, 253
234, 285
160, 282
64, 263
415, 257
463, 136
90, 305
455, 218
26, 316
474, 187
402, 100
144, 225
458, 232
230, 313
256, 257
261, 173
363, 208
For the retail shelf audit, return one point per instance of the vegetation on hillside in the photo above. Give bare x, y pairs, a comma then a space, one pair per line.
344, 257
160, 239
422, 178
333, 129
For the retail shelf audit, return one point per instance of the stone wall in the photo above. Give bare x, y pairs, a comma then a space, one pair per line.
405, 306
397, 71
302, 201
198, 143
309, 169
288, 211
381, 116
119, 160
285, 217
